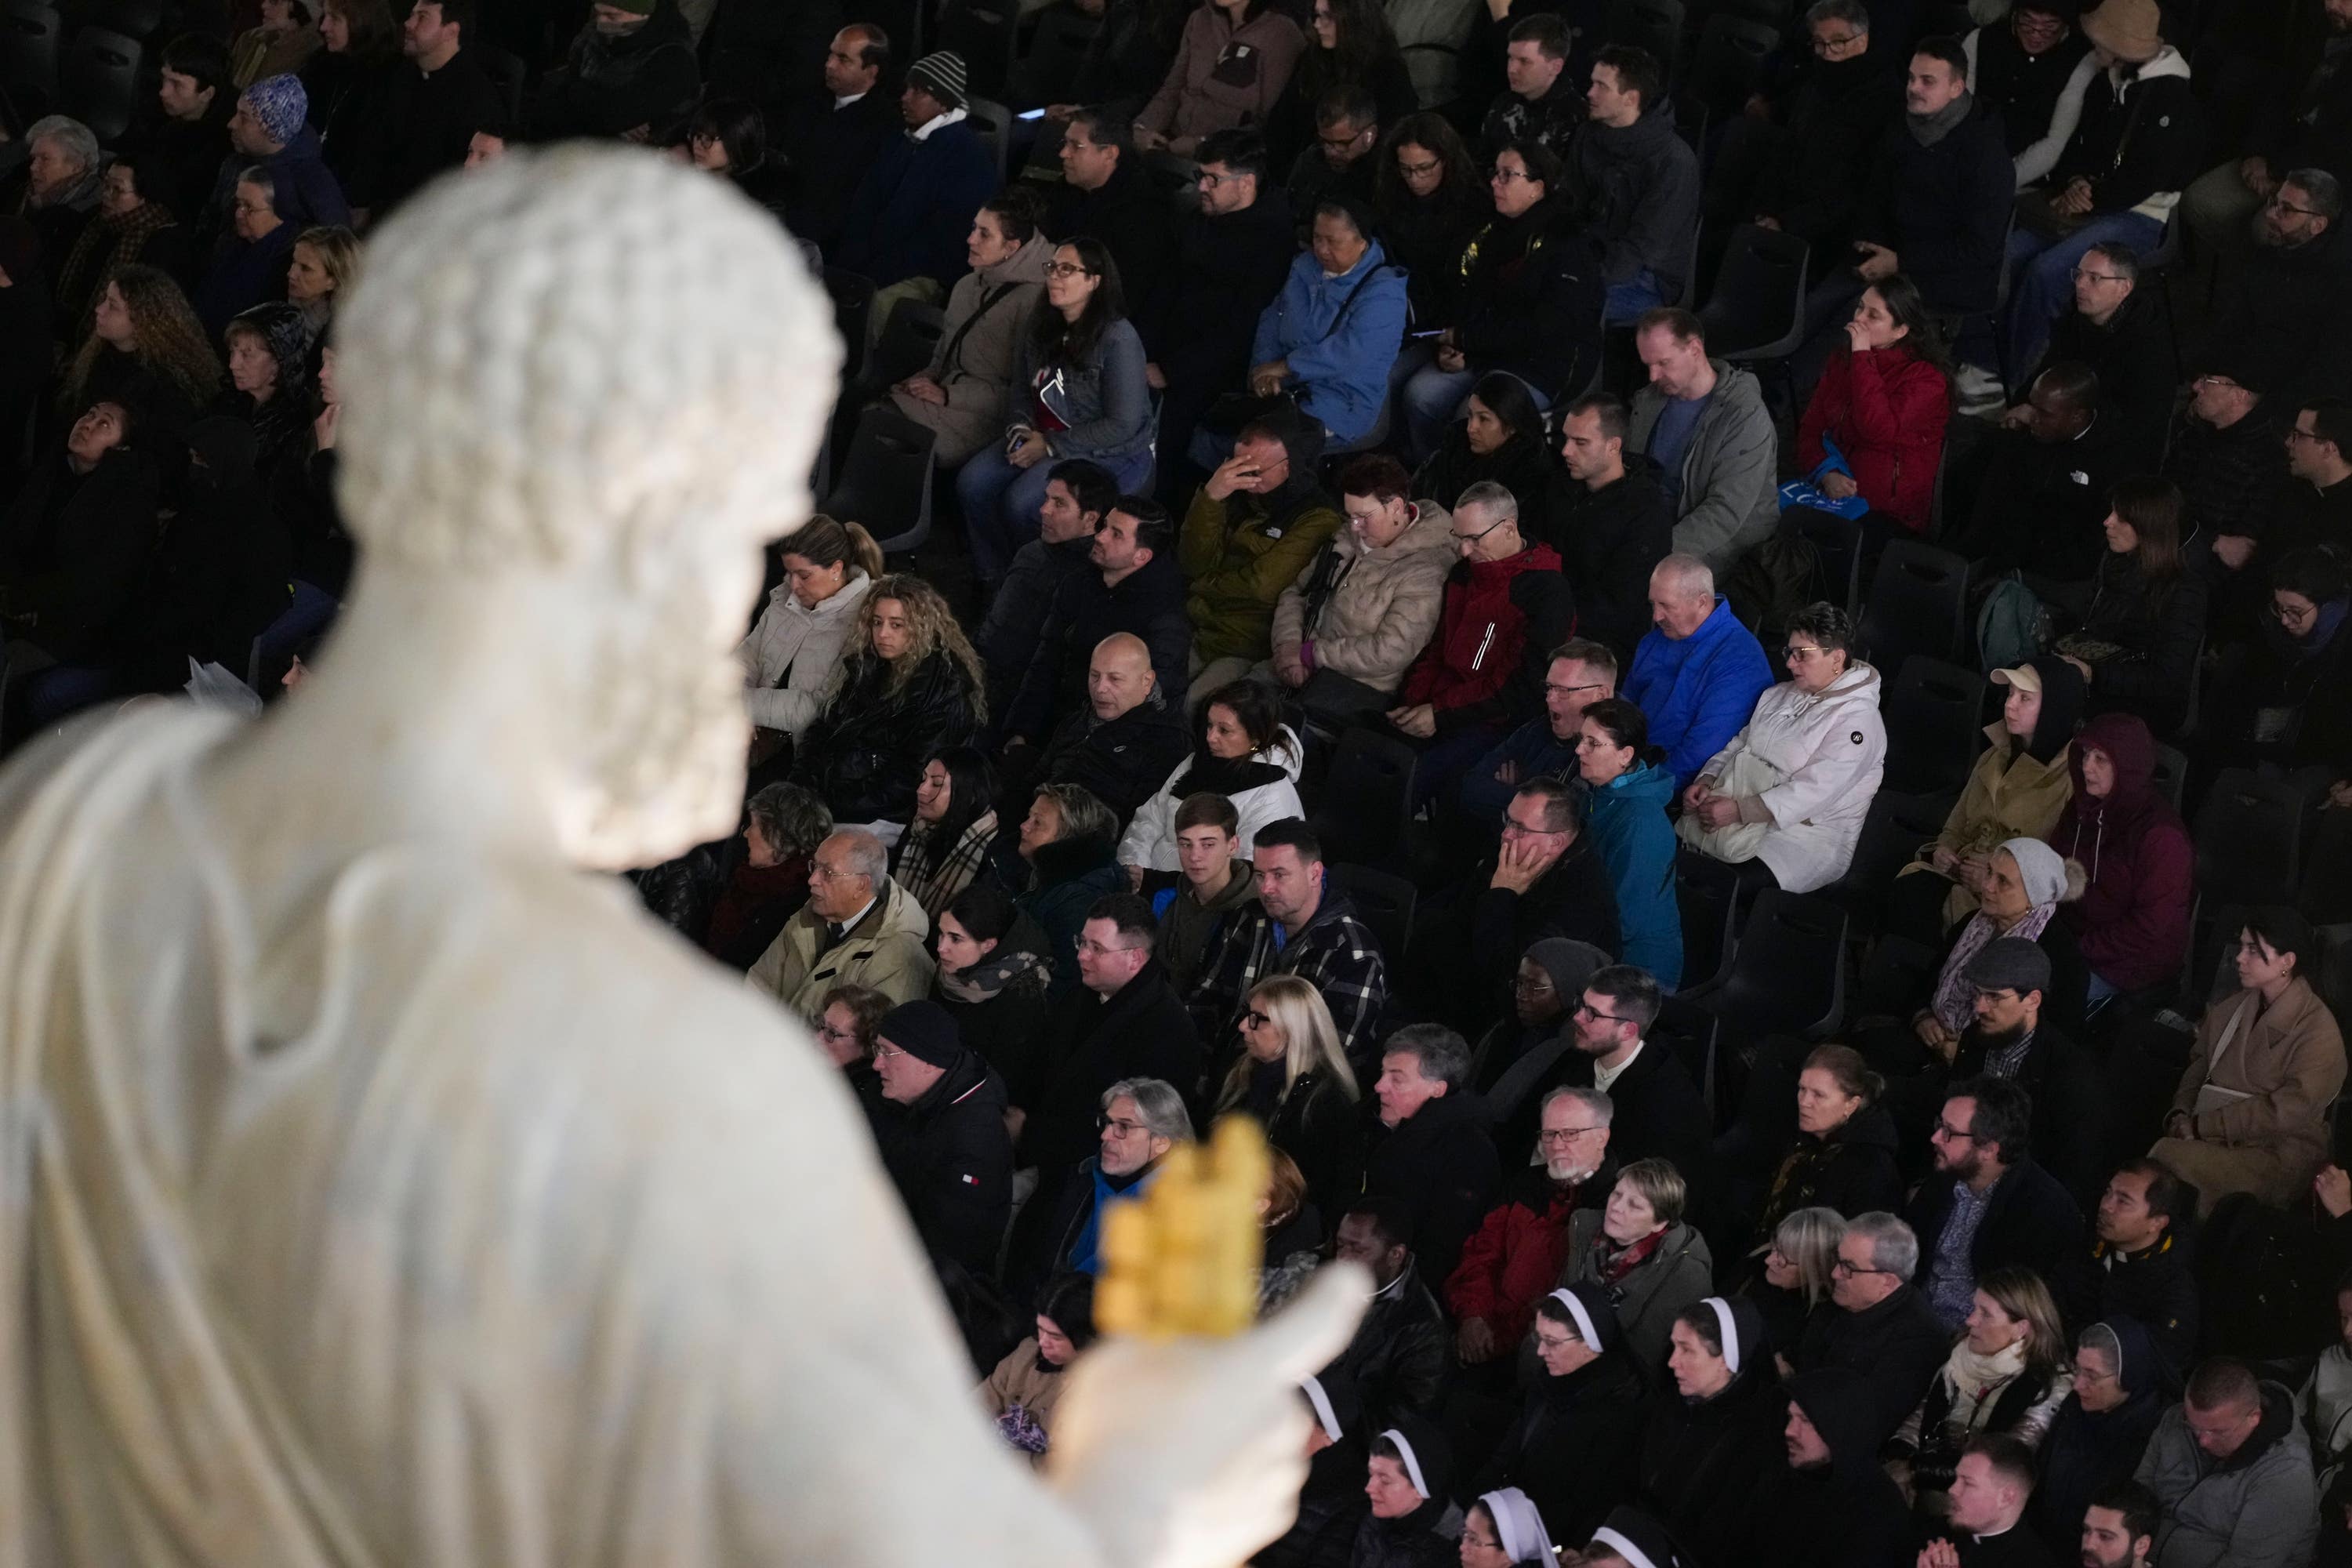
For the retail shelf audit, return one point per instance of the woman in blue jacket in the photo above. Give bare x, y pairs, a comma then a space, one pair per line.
1627, 824
1077, 391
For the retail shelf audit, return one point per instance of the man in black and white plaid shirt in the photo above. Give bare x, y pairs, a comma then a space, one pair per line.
1295, 926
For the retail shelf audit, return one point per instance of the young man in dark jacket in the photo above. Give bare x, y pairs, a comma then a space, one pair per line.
2112, 331
1429, 1149
1609, 519
1987, 1204
2023, 64
433, 103
1635, 181
1129, 584
1541, 103
2136, 1262
2289, 300
942, 1140
2044, 493
1297, 924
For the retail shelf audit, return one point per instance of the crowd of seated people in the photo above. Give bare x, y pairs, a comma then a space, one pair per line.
1391, 651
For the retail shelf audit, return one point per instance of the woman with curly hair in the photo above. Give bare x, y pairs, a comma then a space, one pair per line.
909, 684
146, 350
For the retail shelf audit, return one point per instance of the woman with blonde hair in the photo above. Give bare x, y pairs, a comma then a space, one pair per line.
2008, 1374
1795, 1278
325, 264
908, 683
145, 350
1294, 1078
790, 658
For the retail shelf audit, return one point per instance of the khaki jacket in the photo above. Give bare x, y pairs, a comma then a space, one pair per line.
1385, 604
2288, 1064
2003, 800
884, 951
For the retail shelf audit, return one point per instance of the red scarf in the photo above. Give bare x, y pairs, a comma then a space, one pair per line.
1615, 1263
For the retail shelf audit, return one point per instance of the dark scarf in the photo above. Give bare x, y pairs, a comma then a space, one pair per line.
111, 242
2292, 650
1227, 776
1616, 1262
1930, 129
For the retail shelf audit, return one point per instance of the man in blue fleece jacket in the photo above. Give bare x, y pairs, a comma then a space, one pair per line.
1698, 672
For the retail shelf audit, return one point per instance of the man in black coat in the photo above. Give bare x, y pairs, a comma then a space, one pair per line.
1106, 192
1396, 1362
1987, 1204
1880, 1327
1611, 522
1124, 1020
2043, 501
2113, 331
431, 105
633, 76
1656, 1113
838, 138
1544, 101
1060, 1229
179, 150
2137, 1263
1135, 588
1428, 1147
1123, 744
1797, 156
2289, 303
1080, 493
1837, 1509
1232, 255
943, 1139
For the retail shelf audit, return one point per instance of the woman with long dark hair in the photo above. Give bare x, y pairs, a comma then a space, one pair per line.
1500, 437
2138, 643
1244, 752
1077, 391
1349, 44
1429, 200
908, 683
1882, 402
995, 970
953, 839
728, 136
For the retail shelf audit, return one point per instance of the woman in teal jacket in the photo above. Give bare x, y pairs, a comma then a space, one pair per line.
1627, 824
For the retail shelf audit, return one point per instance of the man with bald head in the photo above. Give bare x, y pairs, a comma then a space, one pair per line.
859, 928
1124, 742
1132, 584
1698, 673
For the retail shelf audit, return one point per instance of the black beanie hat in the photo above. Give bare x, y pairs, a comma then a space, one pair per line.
924, 1031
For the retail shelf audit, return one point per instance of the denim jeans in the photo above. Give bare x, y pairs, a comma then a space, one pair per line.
999, 502
1627, 299
2043, 282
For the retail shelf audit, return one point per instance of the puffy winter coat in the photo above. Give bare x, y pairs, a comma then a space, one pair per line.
865, 753
1828, 749
1698, 690
2132, 920
1366, 612
1338, 336
2007, 796
1627, 824
979, 346
1241, 552
2259, 1505
884, 952
789, 658
1886, 410
2286, 1063
2135, 132
949, 1157
1150, 840
1501, 621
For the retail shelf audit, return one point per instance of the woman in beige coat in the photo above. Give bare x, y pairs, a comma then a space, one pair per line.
1020, 1396
961, 392
1369, 599
2250, 1113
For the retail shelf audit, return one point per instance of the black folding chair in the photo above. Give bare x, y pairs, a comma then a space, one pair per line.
1918, 604
886, 479
987, 36
1896, 825
2249, 839
1653, 25
1934, 726
1364, 814
992, 123
1757, 310
98, 82
1787, 974
1838, 541
909, 338
1384, 902
853, 307
1729, 64
28, 67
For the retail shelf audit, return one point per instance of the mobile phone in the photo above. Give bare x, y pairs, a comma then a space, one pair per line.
1433, 331
1031, 114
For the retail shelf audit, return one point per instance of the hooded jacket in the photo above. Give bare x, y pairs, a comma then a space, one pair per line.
884, 951
1635, 188
1626, 823
1708, 1465
1148, 602
2015, 790
1610, 540
1843, 1514
987, 314
1886, 410
865, 753
1829, 750
1092, 1041
1851, 1168
1439, 1163
790, 658
1730, 471
1698, 691
1189, 928
1338, 336
1264, 788
1119, 759
2087, 1452
2132, 920
949, 1157
2284, 1064
2259, 1505
1239, 553
1500, 622
1529, 299
1365, 612
2135, 132
1897, 1346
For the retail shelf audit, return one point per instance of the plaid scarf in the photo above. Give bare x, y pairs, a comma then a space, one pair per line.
108, 244
934, 873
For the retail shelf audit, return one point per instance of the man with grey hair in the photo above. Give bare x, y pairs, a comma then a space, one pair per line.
1883, 1328
1061, 1230
1507, 606
64, 171
859, 928
2285, 304
1697, 674
1428, 1149
1517, 1255
1797, 155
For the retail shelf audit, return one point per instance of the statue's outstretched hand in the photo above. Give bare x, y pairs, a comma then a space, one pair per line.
1189, 1454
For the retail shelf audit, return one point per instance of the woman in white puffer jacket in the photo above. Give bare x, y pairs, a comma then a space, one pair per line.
1245, 753
794, 649
1792, 788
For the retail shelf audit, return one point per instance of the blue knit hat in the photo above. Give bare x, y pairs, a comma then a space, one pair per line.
281, 106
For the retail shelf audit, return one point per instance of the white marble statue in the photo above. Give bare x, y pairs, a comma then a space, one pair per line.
382, 1191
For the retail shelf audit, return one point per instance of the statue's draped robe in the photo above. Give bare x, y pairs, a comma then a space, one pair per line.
529, 1241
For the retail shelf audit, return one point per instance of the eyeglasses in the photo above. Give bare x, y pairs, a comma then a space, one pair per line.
1254, 1019
1213, 181
1946, 1130
827, 1032
1564, 1134
2282, 205
1849, 1269
2299, 434
1120, 1125
1552, 687
1096, 949
1364, 519
824, 873
1830, 45
1502, 176
1067, 269
1531, 983
1464, 540
1341, 144
2082, 274
1587, 1010
1521, 830
882, 1050
1798, 651
1416, 171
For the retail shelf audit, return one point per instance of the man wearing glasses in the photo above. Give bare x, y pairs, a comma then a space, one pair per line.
1106, 192
2315, 508
1795, 158
2311, 128
1882, 1327
2289, 299
1136, 1122
1580, 674
859, 928
1656, 1113
1987, 1205
1347, 131
2112, 331
1515, 1257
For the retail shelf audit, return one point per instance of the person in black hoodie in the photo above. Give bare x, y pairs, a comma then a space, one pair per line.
1836, 1508
1410, 1476
1500, 438
631, 73
1795, 160
1575, 1445
1711, 1452
1231, 253
908, 685
1529, 304
2121, 1386
1877, 1324
1608, 517
1634, 185
942, 1138
1106, 192
1427, 1145
1133, 586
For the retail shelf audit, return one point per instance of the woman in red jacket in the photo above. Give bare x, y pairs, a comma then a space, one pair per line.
1883, 403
